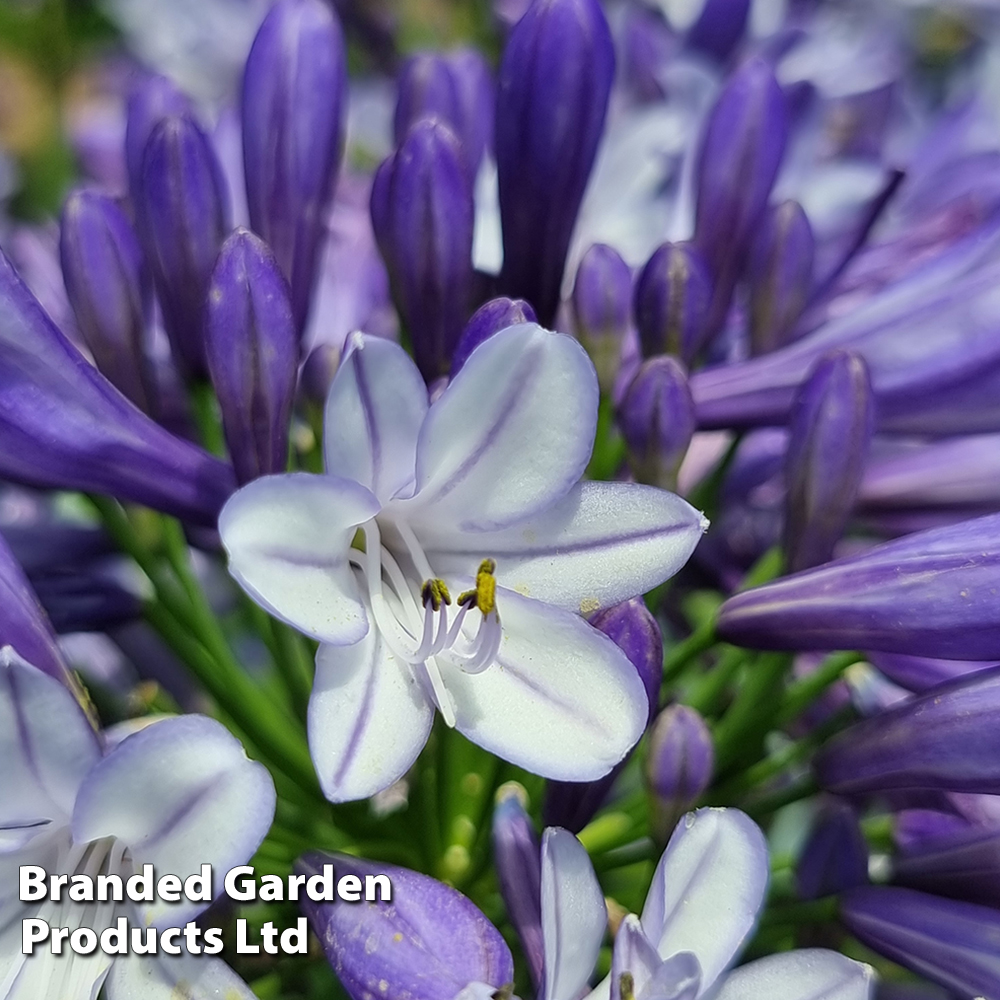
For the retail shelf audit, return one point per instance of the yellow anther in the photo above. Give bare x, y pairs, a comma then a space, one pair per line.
626, 986
486, 587
435, 593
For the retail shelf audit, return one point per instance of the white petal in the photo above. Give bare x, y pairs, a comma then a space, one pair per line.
47, 747
510, 435
171, 978
811, 974
179, 794
653, 978
708, 889
368, 719
574, 916
288, 539
562, 700
376, 405
602, 544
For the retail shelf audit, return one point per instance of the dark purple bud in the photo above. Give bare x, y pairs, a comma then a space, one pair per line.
422, 214
106, 284
656, 418
428, 943
953, 944
835, 856
932, 593
602, 305
64, 426
719, 28
151, 100
634, 630
962, 864
672, 296
490, 318
948, 738
252, 350
741, 151
679, 765
780, 276
518, 861
920, 673
85, 600
831, 427
648, 43
555, 80
294, 91
456, 88
318, 371
183, 215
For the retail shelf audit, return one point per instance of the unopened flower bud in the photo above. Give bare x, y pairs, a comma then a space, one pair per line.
422, 214
679, 765
835, 855
602, 303
657, 420
830, 430
489, 318
151, 100
719, 28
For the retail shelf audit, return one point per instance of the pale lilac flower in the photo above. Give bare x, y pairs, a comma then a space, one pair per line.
475, 496
177, 794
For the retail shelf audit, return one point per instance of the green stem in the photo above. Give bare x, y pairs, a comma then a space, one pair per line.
294, 664
812, 911
803, 693
676, 659
707, 691
785, 797
642, 849
206, 416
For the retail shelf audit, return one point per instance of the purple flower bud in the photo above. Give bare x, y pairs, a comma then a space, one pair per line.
656, 418
672, 296
458, 89
86, 600
489, 318
555, 80
920, 673
679, 765
648, 44
602, 303
318, 371
428, 943
962, 864
954, 944
106, 284
830, 430
252, 350
150, 101
719, 28
183, 216
294, 89
64, 426
948, 738
740, 154
835, 856
518, 860
422, 214
780, 273
633, 629
932, 593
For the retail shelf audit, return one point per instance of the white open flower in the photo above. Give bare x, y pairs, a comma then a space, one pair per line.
446, 556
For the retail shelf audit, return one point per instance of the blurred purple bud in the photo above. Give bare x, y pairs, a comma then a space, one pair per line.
741, 150
318, 371
831, 427
948, 738
183, 216
456, 88
932, 593
950, 943
252, 350
428, 943
84, 599
422, 214
672, 296
920, 673
555, 80
602, 304
151, 100
835, 855
294, 92
679, 764
780, 276
518, 860
719, 28
656, 418
634, 630
648, 44
64, 426
107, 286
489, 318
962, 864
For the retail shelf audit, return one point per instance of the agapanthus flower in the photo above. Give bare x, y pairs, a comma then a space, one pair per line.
476, 496
175, 794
